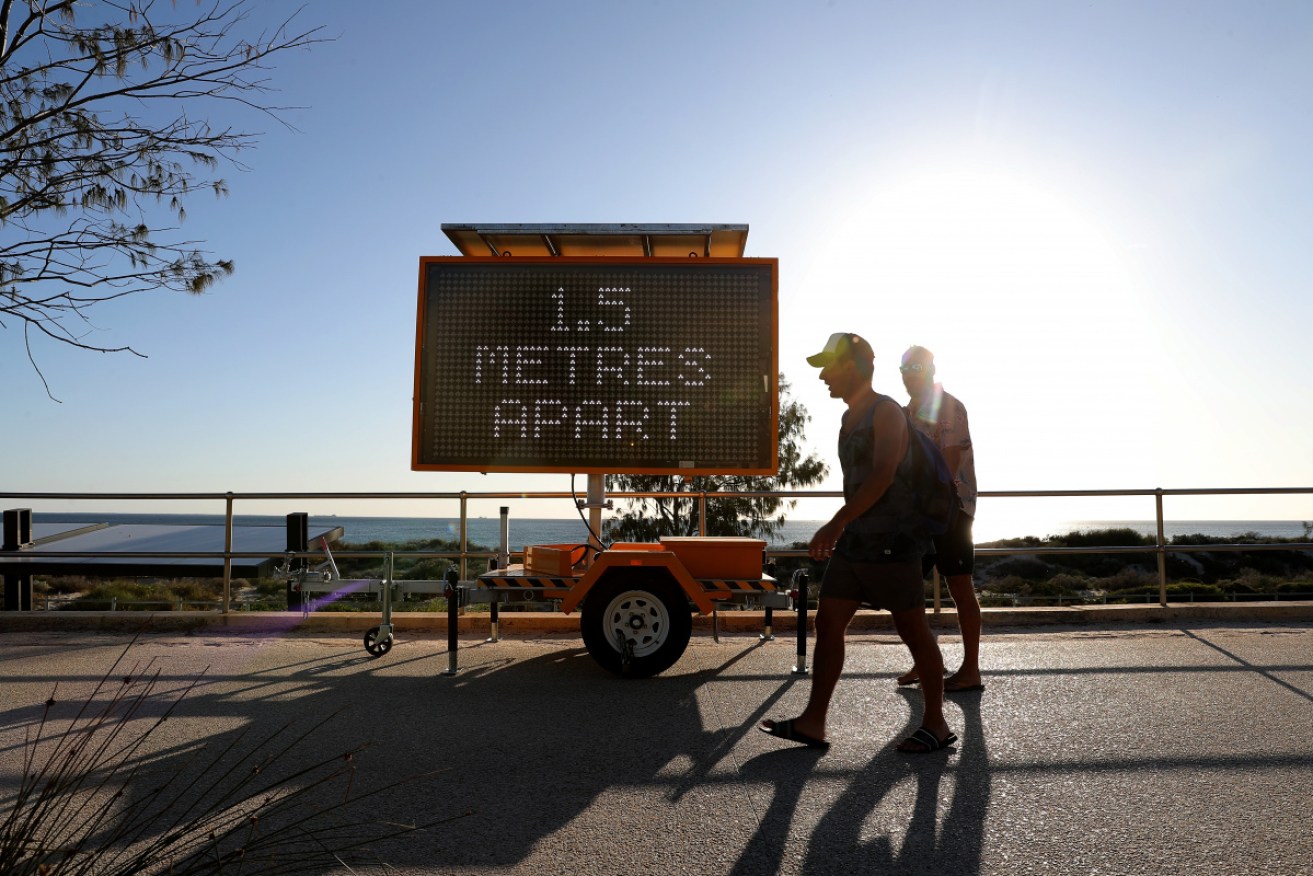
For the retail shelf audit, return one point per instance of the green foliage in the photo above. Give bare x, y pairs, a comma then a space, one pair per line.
121, 595
1024, 567
1251, 581
406, 568
761, 516
1010, 585
1114, 537
1126, 579
62, 585
265, 594
1232, 574
1023, 542
162, 595
1302, 586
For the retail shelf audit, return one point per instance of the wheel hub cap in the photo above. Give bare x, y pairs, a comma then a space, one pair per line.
638, 618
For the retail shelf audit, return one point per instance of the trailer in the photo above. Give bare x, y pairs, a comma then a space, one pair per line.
635, 599
604, 349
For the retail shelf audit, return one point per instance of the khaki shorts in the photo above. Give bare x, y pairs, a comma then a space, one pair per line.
890, 586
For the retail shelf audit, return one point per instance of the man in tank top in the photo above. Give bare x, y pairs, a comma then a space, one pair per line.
872, 558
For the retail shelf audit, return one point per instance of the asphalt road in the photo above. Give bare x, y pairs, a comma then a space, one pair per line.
1156, 750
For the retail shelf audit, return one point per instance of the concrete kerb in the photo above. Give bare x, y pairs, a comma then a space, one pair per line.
514, 623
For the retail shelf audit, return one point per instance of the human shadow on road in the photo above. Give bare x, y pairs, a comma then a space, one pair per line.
788, 770
857, 833
848, 839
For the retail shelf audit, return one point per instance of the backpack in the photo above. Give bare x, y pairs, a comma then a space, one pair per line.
934, 494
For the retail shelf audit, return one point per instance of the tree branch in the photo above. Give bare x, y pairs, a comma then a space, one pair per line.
79, 84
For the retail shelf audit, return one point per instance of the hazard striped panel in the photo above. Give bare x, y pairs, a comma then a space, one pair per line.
550, 587
518, 582
737, 585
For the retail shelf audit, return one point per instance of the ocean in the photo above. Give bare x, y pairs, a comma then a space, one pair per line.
485, 531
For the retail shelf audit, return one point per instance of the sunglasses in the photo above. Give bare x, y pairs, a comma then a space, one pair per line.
914, 368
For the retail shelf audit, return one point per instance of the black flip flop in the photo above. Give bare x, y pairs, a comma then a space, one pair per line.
928, 741
786, 730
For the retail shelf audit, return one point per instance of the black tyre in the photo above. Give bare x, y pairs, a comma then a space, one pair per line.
376, 646
636, 624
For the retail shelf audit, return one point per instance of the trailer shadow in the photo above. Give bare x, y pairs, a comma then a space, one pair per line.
506, 752
511, 750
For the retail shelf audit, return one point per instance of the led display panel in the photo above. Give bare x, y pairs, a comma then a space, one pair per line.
597, 365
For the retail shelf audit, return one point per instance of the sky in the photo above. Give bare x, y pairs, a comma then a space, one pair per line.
1097, 215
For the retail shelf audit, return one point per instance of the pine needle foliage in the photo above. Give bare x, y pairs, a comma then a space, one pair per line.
110, 121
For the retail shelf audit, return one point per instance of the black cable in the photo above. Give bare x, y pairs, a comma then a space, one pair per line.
574, 494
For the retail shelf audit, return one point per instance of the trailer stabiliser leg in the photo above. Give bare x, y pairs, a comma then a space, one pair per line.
799, 595
452, 595
626, 646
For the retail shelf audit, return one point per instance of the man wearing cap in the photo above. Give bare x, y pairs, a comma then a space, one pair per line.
872, 557
942, 417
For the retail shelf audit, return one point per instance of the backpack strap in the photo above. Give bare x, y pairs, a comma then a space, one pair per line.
880, 398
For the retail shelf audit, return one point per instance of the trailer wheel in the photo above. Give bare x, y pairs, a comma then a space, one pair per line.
376, 646
636, 625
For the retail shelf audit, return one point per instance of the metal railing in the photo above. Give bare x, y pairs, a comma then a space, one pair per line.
1160, 548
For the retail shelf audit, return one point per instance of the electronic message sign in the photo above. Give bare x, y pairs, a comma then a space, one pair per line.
596, 365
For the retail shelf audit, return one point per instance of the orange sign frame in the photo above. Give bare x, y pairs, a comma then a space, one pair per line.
495, 315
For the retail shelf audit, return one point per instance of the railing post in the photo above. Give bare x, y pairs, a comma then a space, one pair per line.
298, 542
17, 536
800, 600
702, 514
1162, 553
464, 535
452, 594
504, 538
227, 551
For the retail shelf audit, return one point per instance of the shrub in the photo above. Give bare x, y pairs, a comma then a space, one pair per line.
84, 805
1131, 577
1025, 542
122, 591
1024, 567
1250, 581
1180, 591
66, 585
1010, 585
1115, 537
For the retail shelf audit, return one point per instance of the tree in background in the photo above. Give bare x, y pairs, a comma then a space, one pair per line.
761, 516
105, 130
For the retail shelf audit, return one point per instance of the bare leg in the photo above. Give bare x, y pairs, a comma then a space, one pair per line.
832, 619
963, 591
914, 629
968, 618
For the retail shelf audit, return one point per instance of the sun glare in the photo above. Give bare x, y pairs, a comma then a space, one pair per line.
1029, 304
